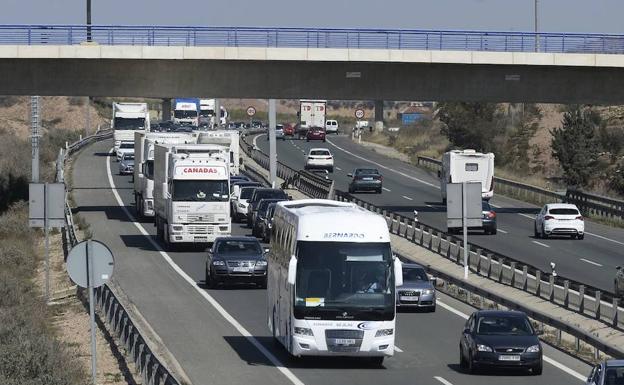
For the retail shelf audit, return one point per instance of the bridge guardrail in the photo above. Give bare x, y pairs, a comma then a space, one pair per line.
365, 38
109, 304
589, 204
572, 295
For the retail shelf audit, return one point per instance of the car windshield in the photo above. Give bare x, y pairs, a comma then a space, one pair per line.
129, 123
200, 190
504, 325
342, 276
319, 152
264, 206
614, 375
268, 194
126, 145
563, 212
235, 248
414, 274
270, 210
247, 192
366, 171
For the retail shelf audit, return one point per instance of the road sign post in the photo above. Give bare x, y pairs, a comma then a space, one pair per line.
251, 111
90, 265
463, 208
272, 143
359, 114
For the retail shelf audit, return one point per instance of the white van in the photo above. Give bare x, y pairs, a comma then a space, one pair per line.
468, 166
331, 126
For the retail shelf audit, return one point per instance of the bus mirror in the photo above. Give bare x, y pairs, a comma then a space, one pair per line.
398, 272
292, 270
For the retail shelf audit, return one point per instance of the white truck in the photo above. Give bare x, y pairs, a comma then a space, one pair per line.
467, 166
144, 166
186, 112
207, 113
191, 194
311, 115
127, 119
230, 140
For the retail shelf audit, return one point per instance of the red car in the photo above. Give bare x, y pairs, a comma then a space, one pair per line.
315, 134
289, 130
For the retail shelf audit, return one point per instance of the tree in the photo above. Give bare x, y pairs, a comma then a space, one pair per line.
575, 145
518, 139
470, 125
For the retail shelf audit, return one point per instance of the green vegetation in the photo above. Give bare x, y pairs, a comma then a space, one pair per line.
30, 354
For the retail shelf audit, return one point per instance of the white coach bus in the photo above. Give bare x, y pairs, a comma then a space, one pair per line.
331, 280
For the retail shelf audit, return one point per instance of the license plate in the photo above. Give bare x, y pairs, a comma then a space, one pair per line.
367, 178
240, 269
509, 358
345, 341
403, 298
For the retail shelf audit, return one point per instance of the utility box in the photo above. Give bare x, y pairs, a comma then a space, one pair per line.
455, 209
46, 200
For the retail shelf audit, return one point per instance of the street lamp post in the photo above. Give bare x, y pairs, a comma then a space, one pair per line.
88, 20
537, 40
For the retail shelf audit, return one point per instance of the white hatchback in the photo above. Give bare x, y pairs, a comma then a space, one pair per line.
320, 158
559, 219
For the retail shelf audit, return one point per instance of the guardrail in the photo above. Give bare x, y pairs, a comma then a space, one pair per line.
401, 39
304, 181
147, 363
589, 204
572, 295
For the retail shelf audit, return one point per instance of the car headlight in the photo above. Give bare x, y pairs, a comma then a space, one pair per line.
242, 206
218, 263
533, 349
384, 332
483, 348
261, 263
427, 292
303, 331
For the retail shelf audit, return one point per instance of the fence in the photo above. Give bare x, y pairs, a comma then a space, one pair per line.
401, 39
589, 204
147, 363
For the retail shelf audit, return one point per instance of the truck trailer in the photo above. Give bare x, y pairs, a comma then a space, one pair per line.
228, 138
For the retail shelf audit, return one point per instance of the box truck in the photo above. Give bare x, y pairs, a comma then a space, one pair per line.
186, 112
127, 119
311, 115
228, 138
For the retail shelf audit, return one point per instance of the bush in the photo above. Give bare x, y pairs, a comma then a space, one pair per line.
76, 101
8, 101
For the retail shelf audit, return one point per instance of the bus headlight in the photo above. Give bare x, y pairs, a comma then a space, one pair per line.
303, 331
384, 332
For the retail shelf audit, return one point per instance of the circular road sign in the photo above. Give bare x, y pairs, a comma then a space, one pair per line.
359, 113
251, 111
101, 260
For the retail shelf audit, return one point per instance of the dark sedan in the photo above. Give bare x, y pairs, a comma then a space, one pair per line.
315, 134
266, 224
258, 195
365, 179
500, 339
236, 259
488, 221
260, 214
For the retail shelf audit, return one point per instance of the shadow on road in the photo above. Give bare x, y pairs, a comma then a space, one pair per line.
112, 212
105, 154
508, 372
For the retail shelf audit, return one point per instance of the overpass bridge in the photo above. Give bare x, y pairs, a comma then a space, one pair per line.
337, 64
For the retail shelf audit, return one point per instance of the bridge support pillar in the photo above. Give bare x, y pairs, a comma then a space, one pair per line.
379, 115
166, 109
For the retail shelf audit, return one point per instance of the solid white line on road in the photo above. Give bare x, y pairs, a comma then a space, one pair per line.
386, 189
338, 168
549, 360
408, 198
384, 167
540, 243
274, 360
605, 238
398, 349
527, 216
255, 140
591, 262
442, 380
502, 231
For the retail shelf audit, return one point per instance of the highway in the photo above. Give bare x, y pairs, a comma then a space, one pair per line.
220, 336
408, 188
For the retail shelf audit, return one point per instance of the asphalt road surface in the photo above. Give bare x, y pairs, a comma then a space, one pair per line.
221, 336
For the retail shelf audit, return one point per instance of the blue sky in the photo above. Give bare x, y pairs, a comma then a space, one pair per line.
600, 16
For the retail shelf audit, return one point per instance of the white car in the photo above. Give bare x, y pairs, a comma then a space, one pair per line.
331, 126
559, 219
239, 203
320, 158
124, 148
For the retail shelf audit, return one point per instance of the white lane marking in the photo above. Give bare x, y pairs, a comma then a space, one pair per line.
408, 198
386, 189
398, 349
338, 168
591, 262
429, 206
274, 360
549, 360
384, 167
605, 238
502, 231
541, 244
255, 140
442, 380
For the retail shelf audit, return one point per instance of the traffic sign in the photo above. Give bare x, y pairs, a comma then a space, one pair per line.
251, 111
90, 255
359, 113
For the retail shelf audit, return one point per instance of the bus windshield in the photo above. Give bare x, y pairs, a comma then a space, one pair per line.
344, 280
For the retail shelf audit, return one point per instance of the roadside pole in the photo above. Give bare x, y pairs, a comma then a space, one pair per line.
465, 228
272, 144
34, 137
217, 113
91, 289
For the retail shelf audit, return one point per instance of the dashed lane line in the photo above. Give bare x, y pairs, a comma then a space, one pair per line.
386, 189
442, 380
541, 244
408, 198
591, 262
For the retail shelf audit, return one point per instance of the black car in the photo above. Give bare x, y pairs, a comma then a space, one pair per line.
260, 214
500, 339
266, 223
365, 179
236, 259
258, 195
488, 221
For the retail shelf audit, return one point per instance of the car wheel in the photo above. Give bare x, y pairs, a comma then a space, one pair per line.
543, 234
351, 191
377, 361
535, 233
616, 288
537, 370
263, 284
472, 367
462, 360
493, 231
432, 309
331, 169
324, 142
582, 236
307, 140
